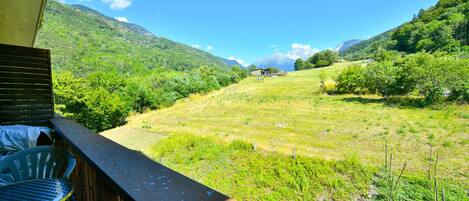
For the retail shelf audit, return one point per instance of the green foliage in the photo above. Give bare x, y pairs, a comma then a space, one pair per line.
352, 80
103, 100
254, 175
299, 64
437, 75
321, 59
443, 27
389, 78
84, 41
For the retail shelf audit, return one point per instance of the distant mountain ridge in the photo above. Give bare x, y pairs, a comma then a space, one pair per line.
346, 45
278, 60
83, 40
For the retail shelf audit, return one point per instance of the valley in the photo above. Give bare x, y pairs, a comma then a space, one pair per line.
289, 116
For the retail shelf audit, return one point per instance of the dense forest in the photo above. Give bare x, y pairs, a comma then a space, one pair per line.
441, 28
104, 69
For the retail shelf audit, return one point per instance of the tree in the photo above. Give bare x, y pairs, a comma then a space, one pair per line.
321, 59
351, 80
389, 79
299, 64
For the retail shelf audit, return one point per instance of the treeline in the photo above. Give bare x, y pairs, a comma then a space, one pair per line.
443, 27
318, 60
437, 77
103, 100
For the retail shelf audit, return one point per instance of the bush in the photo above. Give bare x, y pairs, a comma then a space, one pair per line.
388, 78
351, 80
439, 76
329, 86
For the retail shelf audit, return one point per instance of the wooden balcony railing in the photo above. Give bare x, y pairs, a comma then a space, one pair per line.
109, 171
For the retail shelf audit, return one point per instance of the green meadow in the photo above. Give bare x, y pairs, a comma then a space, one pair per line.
281, 138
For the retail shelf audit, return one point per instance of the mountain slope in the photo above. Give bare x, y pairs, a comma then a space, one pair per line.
365, 48
346, 45
83, 40
443, 27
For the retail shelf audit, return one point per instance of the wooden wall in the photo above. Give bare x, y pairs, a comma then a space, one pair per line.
26, 95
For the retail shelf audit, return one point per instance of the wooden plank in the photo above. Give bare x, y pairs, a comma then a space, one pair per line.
25, 97
23, 81
30, 123
25, 64
27, 92
29, 59
9, 71
31, 107
31, 69
6, 118
23, 51
24, 86
25, 102
24, 112
23, 75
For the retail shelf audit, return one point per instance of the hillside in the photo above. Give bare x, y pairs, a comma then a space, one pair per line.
443, 27
346, 45
276, 118
365, 49
83, 40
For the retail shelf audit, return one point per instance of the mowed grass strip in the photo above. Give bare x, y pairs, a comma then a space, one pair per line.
288, 114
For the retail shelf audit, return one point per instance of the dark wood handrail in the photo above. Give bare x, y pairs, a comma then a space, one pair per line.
130, 173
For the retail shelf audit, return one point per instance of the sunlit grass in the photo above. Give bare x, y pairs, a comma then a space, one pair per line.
289, 114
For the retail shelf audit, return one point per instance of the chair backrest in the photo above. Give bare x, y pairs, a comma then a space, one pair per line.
42, 162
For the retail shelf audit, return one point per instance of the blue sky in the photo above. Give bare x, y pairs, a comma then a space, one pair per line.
251, 29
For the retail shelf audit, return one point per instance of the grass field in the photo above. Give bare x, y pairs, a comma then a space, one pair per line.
284, 116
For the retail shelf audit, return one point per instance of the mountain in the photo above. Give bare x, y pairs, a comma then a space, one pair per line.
278, 60
442, 27
83, 40
231, 63
346, 45
364, 49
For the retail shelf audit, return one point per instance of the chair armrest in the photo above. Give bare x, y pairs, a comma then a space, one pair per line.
71, 162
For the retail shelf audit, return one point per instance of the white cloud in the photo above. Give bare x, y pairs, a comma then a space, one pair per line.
195, 46
122, 19
240, 61
118, 4
302, 51
210, 48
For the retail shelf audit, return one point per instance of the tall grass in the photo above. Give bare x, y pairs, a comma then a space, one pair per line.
245, 174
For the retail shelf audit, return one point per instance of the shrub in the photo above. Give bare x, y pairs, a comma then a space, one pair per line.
329, 86
388, 78
351, 80
439, 75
